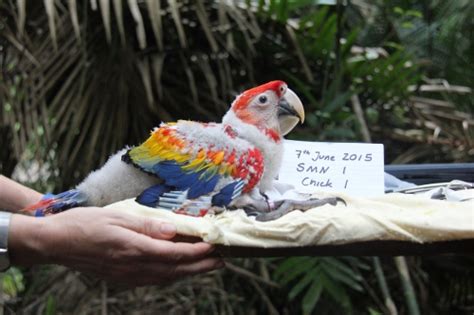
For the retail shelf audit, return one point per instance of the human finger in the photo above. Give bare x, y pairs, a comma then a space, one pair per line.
168, 251
170, 273
186, 239
201, 266
163, 274
151, 227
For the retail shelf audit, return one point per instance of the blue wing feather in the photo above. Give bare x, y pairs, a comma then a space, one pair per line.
227, 194
177, 158
202, 187
150, 196
198, 183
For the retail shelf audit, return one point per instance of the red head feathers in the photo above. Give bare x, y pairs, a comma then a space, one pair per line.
259, 107
279, 87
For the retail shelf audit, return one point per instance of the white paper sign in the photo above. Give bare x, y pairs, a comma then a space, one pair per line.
353, 168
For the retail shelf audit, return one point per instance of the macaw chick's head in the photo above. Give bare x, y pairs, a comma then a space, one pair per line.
271, 106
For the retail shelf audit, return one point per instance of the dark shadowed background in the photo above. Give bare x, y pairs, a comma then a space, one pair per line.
81, 79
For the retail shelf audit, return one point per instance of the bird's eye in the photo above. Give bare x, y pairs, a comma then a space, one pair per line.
262, 99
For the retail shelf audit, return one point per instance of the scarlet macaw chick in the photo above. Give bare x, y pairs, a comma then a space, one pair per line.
190, 167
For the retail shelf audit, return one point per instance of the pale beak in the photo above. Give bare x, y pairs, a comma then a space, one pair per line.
290, 112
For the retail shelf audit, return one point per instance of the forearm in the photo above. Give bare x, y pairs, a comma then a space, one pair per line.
14, 196
27, 241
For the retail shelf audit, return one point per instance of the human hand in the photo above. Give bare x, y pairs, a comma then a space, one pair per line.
110, 244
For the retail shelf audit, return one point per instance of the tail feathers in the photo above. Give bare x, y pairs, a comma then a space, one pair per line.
178, 201
51, 204
151, 196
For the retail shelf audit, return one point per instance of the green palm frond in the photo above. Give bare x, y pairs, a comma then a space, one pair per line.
104, 72
312, 277
81, 79
100, 81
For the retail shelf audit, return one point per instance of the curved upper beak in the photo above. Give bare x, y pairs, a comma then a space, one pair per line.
290, 111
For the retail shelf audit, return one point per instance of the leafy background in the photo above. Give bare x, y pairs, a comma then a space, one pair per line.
81, 79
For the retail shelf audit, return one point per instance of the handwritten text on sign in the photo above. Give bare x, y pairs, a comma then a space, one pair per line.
352, 168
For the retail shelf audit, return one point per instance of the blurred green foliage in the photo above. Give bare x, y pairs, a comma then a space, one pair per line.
13, 282
311, 277
89, 77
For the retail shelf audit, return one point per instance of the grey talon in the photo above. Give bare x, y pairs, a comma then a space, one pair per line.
339, 199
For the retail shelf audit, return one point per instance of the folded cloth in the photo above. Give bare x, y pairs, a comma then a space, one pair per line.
395, 216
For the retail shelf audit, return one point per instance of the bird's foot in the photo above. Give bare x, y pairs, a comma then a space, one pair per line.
282, 207
252, 205
265, 210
